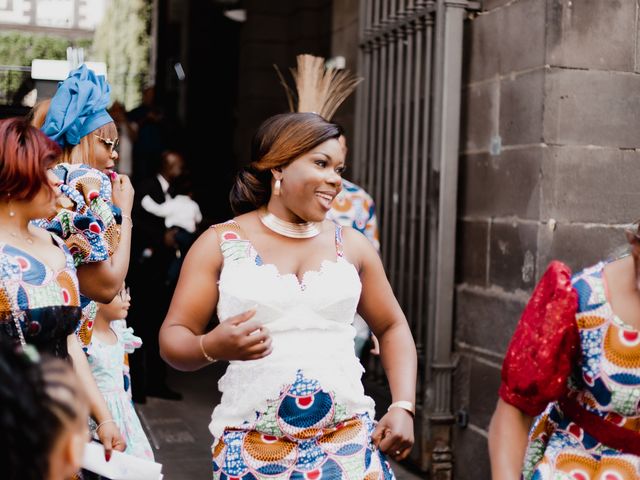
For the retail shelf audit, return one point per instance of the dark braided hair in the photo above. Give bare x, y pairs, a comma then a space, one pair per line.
38, 400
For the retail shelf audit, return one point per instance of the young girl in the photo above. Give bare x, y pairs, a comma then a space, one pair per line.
109, 343
44, 411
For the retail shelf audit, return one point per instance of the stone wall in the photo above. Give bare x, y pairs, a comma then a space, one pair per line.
550, 162
344, 43
274, 33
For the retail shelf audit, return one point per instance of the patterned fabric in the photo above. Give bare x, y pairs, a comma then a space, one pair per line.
90, 226
544, 346
45, 302
303, 434
312, 338
604, 381
106, 362
126, 373
85, 327
78, 107
354, 207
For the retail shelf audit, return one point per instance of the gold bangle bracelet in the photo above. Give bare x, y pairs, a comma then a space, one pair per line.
128, 218
103, 423
404, 405
208, 357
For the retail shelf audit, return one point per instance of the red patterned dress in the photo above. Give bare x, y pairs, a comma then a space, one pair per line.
575, 366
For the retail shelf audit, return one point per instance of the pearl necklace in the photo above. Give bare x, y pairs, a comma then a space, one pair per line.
27, 238
288, 229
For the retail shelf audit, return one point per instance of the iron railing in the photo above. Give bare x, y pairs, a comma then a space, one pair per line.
406, 157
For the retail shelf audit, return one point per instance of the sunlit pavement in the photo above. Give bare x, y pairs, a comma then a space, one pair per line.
178, 431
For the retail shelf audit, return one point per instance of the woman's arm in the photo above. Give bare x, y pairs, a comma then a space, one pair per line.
109, 435
101, 281
192, 306
508, 438
379, 307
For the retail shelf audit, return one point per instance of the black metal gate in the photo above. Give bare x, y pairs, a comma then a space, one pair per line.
406, 156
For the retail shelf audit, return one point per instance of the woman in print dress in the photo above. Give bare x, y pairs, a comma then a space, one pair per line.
569, 399
39, 297
286, 284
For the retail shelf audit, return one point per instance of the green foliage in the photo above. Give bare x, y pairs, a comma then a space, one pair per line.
122, 41
20, 48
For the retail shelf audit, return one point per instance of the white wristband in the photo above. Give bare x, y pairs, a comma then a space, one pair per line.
405, 405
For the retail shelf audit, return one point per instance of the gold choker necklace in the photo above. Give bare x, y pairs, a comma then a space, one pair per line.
288, 229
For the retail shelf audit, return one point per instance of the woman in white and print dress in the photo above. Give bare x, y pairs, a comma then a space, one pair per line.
286, 285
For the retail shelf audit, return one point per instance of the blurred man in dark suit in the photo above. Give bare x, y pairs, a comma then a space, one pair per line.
152, 250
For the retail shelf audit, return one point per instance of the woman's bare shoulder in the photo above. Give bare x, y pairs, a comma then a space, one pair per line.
356, 239
246, 221
40, 233
207, 245
357, 247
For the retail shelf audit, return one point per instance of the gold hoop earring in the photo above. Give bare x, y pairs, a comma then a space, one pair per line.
277, 187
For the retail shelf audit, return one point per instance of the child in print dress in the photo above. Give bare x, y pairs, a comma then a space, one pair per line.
111, 339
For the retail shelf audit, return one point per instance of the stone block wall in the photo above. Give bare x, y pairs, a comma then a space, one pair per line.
274, 33
550, 163
344, 43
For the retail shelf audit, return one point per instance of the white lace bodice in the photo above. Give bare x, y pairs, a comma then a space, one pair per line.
310, 323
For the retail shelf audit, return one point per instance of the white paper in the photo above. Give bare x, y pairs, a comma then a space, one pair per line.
121, 466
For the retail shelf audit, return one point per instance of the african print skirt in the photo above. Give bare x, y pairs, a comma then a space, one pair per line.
303, 434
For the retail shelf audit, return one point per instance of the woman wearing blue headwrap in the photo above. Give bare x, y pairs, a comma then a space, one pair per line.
98, 201
96, 221
93, 229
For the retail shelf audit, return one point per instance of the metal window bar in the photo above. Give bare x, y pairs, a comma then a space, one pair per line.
407, 119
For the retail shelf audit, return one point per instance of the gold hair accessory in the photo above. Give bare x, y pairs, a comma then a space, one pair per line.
31, 353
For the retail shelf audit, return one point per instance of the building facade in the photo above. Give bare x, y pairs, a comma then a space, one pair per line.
545, 166
550, 154
70, 18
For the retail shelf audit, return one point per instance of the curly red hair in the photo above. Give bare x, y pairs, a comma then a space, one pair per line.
25, 155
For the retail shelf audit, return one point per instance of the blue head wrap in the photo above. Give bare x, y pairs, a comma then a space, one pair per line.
78, 107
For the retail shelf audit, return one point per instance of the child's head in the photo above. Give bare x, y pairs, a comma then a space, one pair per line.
118, 308
43, 416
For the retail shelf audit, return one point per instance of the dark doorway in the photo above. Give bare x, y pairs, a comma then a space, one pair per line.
202, 106
211, 105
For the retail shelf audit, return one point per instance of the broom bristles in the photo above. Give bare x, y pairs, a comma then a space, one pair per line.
320, 90
287, 89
